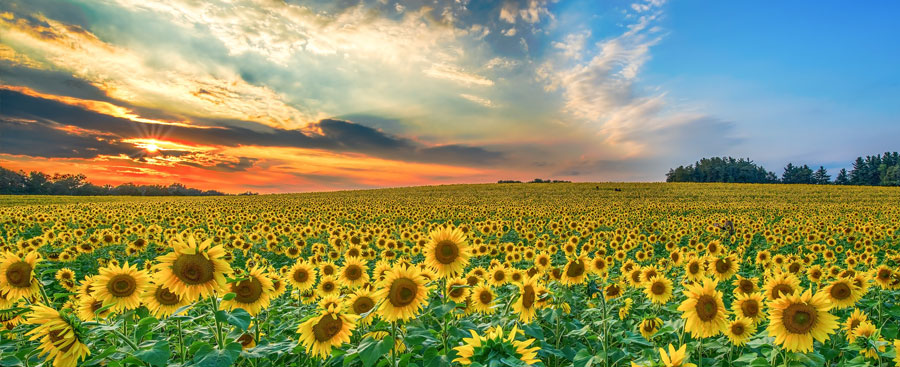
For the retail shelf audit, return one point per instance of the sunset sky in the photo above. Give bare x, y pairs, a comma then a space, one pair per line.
275, 96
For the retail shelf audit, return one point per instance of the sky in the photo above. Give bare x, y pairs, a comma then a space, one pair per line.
287, 96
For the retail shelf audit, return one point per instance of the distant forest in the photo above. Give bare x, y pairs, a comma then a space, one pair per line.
874, 170
39, 183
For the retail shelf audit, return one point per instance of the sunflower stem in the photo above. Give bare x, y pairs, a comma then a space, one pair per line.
700, 353
220, 339
394, 350
47, 299
180, 340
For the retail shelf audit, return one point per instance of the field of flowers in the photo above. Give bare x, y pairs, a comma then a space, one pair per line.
482, 275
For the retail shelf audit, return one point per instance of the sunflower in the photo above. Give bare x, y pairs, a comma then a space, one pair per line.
856, 318
749, 306
575, 271
650, 326
740, 330
403, 293
897, 351
675, 358
192, 270
324, 331
252, 294
65, 275
694, 270
883, 276
354, 273
625, 309
613, 290
781, 284
842, 293
246, 340
447, 252
867, 331
302, 276
17, 275
796, 319
58, 337
723, 268
703, 310
362, 302
161, 302
493, 346
120, 286
542, 261
483, 298
745, 285
327, 285
457, 290
498, 275
86, 309
526, 305
658, 289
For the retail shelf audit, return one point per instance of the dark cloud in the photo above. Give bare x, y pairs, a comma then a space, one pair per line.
39, 139
336, 135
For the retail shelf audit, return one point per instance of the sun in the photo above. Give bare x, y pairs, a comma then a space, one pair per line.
152, 148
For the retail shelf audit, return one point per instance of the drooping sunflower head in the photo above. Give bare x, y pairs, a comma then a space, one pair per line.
59, 339
193, 270
403, 293
575, 271
649, 326
527, 304
447, 252
17, 275
613, 290
856, 318
120, 286
797, 319
89, 308
493, 346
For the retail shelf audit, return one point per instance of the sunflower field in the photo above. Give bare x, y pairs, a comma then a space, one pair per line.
582, 275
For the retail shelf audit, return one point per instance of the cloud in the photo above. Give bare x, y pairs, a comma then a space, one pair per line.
482, 101
449, 72
327, 134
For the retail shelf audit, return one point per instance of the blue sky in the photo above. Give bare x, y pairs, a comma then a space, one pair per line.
295, 96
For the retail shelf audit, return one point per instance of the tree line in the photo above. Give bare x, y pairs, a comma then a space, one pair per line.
39, 183
873, 170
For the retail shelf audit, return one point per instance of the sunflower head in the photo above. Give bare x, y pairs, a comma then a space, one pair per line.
494, 345
447, 252
328, 329
797, 319
193, 270
403, 293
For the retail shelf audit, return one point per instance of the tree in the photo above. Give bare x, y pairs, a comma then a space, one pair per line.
797, 174
821, 176
842, 178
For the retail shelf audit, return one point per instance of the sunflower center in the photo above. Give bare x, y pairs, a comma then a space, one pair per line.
403, 292
499, 275
245, 340
854, 324
613, 290
658, 288
19, 274
456, 292
576, 269
57, 339
781, 289
362, 305
353, 272
328, 286
750, 308
247, 291
485, 297
840, 291
327, 327
737, 329
193, 269
723, 266
543, 261
301, 275
694, 268
446, 252
96, 305
799, 318
707, 308
121, 285
884, 274
650, 326
528, 296
746, 286
165, 297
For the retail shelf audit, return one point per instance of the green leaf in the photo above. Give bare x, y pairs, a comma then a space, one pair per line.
238, 317
229, 296
374, 350
156, 356
208, 357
